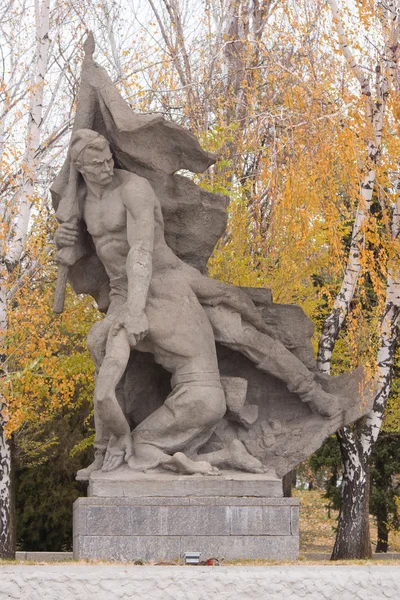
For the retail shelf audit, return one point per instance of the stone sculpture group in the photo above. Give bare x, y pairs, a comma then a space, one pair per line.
192, 375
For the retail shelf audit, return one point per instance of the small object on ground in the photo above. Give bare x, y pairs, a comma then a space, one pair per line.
192, 558
214, 562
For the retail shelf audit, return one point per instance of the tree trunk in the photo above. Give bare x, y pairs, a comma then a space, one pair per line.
7, 521
353, 538
11, 255
287, 484
383, 529
26, 192
7, 527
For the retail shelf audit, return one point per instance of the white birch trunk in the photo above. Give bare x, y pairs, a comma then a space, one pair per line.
352, 538
375, 113
12, 256
334, 321
6, 509
109, 18
26, 192
6, 528
6, 542
388, 337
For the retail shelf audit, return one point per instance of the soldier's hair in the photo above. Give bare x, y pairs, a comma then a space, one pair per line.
83, 139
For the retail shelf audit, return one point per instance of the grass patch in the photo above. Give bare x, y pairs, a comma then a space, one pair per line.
318, 524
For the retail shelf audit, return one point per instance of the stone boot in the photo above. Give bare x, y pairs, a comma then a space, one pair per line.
327, 405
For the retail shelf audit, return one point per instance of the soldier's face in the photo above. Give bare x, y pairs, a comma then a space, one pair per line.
98, 165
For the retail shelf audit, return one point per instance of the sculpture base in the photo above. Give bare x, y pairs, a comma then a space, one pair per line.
233, 516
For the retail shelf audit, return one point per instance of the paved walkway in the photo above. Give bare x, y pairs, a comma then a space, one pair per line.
112, 582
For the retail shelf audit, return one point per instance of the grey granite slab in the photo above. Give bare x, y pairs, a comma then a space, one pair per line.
131, 484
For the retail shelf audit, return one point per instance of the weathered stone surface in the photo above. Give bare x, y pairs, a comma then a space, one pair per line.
116, 582
294, 521
79, 518
233, 547
234, 528
129, 484
132, 548
118, 521
43, 556
127, 548
260, 520
188, 501
157, 548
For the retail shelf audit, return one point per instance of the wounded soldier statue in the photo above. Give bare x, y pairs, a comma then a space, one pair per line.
192, 375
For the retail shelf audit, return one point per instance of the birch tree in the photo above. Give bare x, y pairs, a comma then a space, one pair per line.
31, 48
356, 443
374, 115
19, 211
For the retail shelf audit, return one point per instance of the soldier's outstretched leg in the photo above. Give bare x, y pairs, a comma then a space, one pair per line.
271, 356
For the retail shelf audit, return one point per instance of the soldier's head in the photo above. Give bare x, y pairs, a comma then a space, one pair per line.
90, 152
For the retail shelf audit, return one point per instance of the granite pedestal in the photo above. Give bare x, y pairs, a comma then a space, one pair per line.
159, 516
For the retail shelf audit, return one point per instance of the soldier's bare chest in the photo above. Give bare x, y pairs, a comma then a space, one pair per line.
105, 215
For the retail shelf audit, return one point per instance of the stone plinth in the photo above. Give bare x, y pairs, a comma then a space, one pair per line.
126, 483
158, 516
